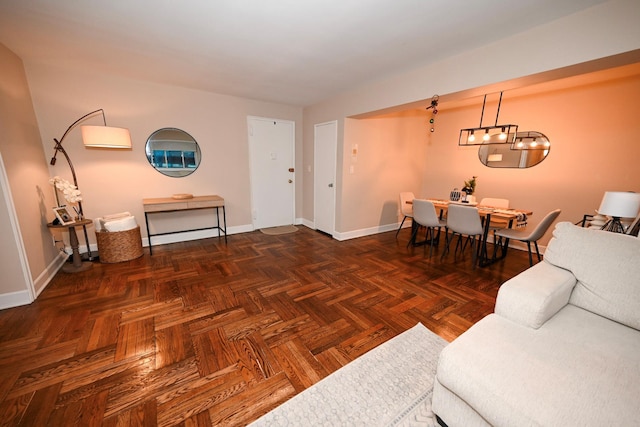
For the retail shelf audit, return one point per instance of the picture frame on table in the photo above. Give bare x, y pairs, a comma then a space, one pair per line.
63, 215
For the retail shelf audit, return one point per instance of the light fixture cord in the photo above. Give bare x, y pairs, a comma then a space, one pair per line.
482, 113
498, 112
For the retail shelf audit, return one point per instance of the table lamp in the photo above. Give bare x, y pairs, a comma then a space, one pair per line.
619, 204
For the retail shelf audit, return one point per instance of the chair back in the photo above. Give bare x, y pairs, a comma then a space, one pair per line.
405, 207
464, 220
495, 203
424, 213
544, 225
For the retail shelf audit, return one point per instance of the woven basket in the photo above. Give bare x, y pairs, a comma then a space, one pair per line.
118, 246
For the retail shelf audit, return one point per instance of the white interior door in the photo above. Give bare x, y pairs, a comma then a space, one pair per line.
271, 152
325, 151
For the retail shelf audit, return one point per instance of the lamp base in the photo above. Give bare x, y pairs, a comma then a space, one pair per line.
614, 225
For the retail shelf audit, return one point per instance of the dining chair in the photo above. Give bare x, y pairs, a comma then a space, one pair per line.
424, 214
464, 221
492, 202
504, 235
405, 208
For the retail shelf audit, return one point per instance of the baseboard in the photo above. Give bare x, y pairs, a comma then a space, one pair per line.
46, 276
15, 299
365, 232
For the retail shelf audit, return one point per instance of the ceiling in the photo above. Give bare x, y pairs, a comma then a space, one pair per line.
296, 52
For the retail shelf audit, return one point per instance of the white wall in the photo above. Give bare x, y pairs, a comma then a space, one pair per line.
114, 181
27, 182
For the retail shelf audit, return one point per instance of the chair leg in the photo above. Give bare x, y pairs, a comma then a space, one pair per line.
431, 232
537, 251
447, 242
530, 258
414, 233
400, 228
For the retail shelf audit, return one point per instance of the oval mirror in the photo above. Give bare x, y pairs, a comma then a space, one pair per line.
529, 149
173, 152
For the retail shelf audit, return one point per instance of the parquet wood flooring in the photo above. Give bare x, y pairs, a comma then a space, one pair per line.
205, 333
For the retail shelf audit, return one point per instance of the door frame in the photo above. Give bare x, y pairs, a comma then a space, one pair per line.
252, 160
334, 178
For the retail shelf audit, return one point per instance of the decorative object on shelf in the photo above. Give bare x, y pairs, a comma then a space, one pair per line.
63, 216
455, 194
69, 191
182, 196
96, 137
434, 110
617, 205
496, 134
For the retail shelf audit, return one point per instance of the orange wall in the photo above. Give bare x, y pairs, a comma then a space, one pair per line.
593, 129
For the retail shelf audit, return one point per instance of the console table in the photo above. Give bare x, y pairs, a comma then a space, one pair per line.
76, 264
169, 204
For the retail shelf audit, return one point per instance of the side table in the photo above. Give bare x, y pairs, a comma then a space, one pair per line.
76, 264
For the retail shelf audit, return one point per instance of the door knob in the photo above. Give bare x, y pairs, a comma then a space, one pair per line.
331, 185
290, 181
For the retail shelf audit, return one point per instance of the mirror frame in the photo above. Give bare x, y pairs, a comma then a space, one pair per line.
507, 156
173, 152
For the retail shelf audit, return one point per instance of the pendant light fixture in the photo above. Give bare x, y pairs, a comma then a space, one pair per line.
496, 134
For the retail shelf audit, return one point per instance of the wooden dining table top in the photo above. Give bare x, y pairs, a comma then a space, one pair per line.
494, 212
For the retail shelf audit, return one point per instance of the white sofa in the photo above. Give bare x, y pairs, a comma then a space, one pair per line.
561, 349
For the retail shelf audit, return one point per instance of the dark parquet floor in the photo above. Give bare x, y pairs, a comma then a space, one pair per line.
205, 333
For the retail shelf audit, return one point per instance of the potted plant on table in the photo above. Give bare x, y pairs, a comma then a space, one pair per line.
468, 189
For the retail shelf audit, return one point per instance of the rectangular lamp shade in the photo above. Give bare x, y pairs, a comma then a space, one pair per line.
106, 137
620, 204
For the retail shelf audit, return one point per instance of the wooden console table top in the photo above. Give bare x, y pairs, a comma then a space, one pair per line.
167, 204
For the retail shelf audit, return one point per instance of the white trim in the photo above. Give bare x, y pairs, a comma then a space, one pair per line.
15, 299
49, 272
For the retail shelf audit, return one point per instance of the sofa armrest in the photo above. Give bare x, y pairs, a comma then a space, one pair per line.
535, 295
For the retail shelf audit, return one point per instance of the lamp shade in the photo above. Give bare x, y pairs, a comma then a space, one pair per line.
106, 137
620, 204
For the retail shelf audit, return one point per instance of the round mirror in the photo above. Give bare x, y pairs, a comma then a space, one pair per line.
528, 149
173, 152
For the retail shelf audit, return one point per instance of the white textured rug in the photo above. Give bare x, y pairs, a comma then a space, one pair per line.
390, 385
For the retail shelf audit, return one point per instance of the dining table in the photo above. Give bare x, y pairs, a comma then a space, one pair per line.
486, 214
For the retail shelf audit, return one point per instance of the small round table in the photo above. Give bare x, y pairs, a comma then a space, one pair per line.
76, 264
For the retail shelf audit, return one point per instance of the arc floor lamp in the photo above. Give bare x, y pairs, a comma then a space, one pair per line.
96, 137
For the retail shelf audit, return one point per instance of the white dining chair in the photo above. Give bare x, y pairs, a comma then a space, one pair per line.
406, 209
424, 214
528, 237
463, 221
492, 202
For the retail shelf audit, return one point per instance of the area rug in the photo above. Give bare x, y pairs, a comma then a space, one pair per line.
390, 385
275, 231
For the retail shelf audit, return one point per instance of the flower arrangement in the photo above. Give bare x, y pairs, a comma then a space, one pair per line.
470, 186
70, 191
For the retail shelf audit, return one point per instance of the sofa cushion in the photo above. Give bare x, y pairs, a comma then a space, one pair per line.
577, 369
607, 267
535, 295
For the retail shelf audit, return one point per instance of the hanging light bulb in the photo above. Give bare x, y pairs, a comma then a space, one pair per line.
534, 143
503, 135
486, 135
472, 137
